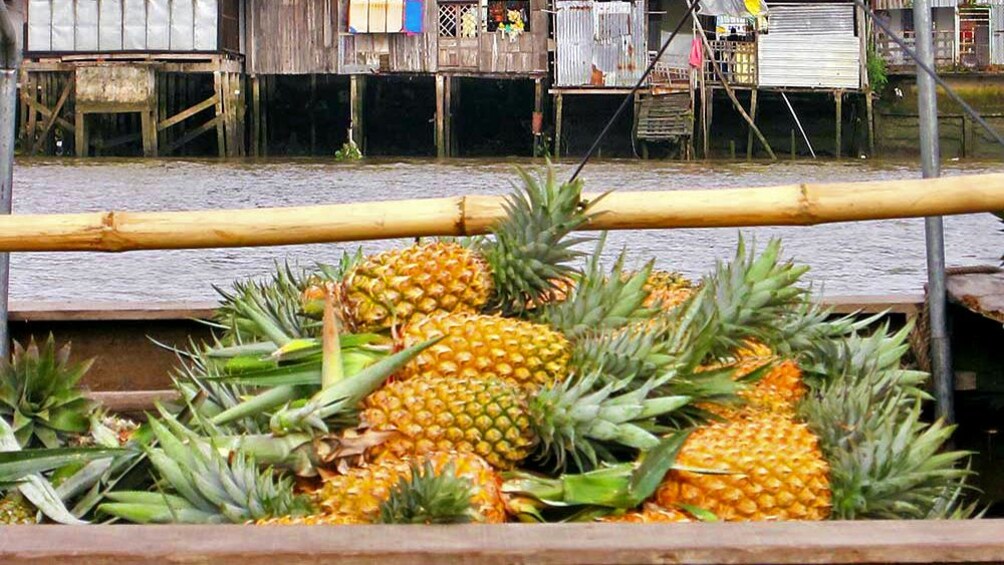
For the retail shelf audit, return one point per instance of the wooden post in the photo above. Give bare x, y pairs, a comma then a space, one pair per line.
256, 126
704, 115
792, 145
221, 135
838, 142
968, 139
311, 109
441, 110
870, 117
51, 120
732, 149
357, 111
448, 116
537, 118
25, 109
32, 94
80, 139
148, 126
559, 103
264, 115
749, 134
163, 111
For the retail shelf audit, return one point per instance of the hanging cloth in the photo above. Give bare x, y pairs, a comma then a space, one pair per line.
696, 53
413, 16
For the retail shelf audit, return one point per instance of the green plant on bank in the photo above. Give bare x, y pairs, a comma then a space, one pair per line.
878, 76
349, 152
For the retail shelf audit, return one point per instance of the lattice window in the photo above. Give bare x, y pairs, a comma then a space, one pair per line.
458, 20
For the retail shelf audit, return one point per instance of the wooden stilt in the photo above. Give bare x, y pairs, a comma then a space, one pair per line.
80, 133
537, 118
440, 116
838, 142
31, 93
357, 114
704, 117
221, 136
311, 109
148, 125
870, 117
792, 145
749, 134
559, 110
255, 116
163, 111
266, 96
22, 126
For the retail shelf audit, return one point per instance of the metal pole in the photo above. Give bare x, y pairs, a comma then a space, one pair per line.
927, 108
798, 123
10, 61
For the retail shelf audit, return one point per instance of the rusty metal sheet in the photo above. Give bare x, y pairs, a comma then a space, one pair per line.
980, 292
574, 34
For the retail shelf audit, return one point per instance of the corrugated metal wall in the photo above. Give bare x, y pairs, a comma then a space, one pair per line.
122, 25
810, 46
600, 43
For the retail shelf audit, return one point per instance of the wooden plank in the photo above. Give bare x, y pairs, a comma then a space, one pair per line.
45, 112
190, 135
980, 291
947, 541
91, 310
29, 96
256, 127
148, 125
221, 142
187, 113
53, 116
80, 133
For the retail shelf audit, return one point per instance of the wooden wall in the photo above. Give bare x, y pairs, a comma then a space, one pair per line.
526, 55
365, 53
292, 36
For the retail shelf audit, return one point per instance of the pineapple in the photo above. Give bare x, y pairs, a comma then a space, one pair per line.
494, 419
15, 510
775, 470
648, 514
40, 397
395, 491
515, 269
667, 289
526, 354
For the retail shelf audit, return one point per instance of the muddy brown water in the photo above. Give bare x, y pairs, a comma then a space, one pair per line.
850, 258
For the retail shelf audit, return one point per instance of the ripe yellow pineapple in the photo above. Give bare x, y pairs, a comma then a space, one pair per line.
15, 509
398, 286
486, 416
356, 497
526, 354
507, 273
776, 468
667, 289
649, 514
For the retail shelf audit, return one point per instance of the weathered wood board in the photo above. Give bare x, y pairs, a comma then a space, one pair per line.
979, 541
982, 293
115, 88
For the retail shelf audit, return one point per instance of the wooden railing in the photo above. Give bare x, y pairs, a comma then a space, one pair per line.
897, 60
737, 61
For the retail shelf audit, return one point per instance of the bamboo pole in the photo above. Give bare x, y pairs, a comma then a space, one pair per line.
787, 205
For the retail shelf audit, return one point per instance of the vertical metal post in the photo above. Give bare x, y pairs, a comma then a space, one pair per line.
927, 108
10, 51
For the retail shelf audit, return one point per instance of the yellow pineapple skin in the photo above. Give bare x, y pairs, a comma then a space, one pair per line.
356, 496
779, 389
399, 286
485, 416
649, 514
777, 470
16, 510
526, 354
667, 289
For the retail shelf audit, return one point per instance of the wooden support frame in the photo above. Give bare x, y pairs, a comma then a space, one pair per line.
52, 118
187, 113
37, 108
194, 133
838, 142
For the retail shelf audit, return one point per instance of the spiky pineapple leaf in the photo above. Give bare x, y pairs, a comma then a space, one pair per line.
428, 497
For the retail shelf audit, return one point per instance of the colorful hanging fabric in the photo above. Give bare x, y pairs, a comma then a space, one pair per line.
413, 16
359, 16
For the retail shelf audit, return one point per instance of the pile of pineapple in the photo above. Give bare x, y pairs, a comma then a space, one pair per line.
507, 378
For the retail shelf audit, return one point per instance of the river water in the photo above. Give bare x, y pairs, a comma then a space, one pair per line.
853, 258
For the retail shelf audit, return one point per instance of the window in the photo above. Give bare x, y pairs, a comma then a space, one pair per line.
511, 16
458, 19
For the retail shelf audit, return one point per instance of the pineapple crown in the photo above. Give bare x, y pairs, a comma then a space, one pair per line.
530, 250
210, 487
601, 301
580, 420
40, 397
269, 309
884, 461
426, 496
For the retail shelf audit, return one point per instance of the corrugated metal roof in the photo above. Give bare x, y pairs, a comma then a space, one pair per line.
816, 19
802, 61
906, 4
574, 32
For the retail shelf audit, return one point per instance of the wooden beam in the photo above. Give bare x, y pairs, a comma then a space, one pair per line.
442, 149
939, 541
53, 116
148, 126
255, 116
838, 97
870, 118
191, 135
80, 133
793, 205
188, 113
221, 137
45, 112
749, 134
116, 141
559, 120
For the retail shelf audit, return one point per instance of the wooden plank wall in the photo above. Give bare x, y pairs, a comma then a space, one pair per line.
292, 36
390, 52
